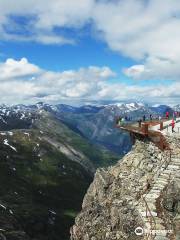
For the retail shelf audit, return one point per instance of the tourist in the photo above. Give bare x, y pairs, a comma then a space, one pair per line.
150, 116
118, 121
122, 121
167, 115
144, 118
140, 121
173, 125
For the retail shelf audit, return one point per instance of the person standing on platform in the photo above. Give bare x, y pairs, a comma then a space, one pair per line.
140, 122
119, 121
122, 121
167, 115
173, 125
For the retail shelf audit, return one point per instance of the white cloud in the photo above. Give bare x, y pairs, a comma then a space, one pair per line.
12, 69
140, 28
40, 18
147, 31
24, 82
155, 68
166, 94
135, 71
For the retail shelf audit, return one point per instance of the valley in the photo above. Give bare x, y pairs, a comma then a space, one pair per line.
45, 170
48, 158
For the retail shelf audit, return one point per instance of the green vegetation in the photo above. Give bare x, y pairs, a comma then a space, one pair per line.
32, 185
98, 154
41, 186
71, 213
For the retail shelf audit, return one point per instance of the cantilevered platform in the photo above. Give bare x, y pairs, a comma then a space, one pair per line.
146, 131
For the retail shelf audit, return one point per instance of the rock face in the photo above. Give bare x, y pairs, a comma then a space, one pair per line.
139, 194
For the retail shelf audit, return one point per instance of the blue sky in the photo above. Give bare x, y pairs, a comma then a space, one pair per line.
90, 50
86, 52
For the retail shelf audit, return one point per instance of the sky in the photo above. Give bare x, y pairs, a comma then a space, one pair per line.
82, 51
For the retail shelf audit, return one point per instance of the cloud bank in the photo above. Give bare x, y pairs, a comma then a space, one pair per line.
22, 81
146, 31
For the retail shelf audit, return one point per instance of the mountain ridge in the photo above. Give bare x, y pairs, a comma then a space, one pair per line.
95, 123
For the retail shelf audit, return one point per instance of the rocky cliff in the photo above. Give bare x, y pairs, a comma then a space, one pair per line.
138, 198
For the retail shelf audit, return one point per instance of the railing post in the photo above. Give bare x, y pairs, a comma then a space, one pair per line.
161, 126
144, 128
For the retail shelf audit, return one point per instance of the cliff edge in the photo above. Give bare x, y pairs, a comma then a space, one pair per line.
138, 198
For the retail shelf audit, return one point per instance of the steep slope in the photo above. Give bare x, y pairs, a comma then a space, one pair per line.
40, 185
139, 194
97, 156
97, 123
45, 171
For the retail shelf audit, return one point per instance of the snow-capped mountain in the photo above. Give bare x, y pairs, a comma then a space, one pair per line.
16, 117
135, 111
96, 123
128, 106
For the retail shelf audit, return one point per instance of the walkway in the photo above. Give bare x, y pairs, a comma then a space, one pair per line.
149, 204
168, 130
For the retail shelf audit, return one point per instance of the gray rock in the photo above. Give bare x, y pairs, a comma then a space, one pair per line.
114, 207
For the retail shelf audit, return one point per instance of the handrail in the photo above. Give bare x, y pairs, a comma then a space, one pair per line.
150, 216
148, 210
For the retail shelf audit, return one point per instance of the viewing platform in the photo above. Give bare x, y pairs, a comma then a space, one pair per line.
153, 130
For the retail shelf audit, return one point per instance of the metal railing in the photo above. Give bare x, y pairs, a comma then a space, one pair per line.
151, 218
149, 214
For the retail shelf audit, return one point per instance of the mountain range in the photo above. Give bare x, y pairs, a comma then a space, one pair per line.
49, 154
93, 122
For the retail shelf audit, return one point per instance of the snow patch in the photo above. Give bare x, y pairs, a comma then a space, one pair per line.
3, 206
7, 144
